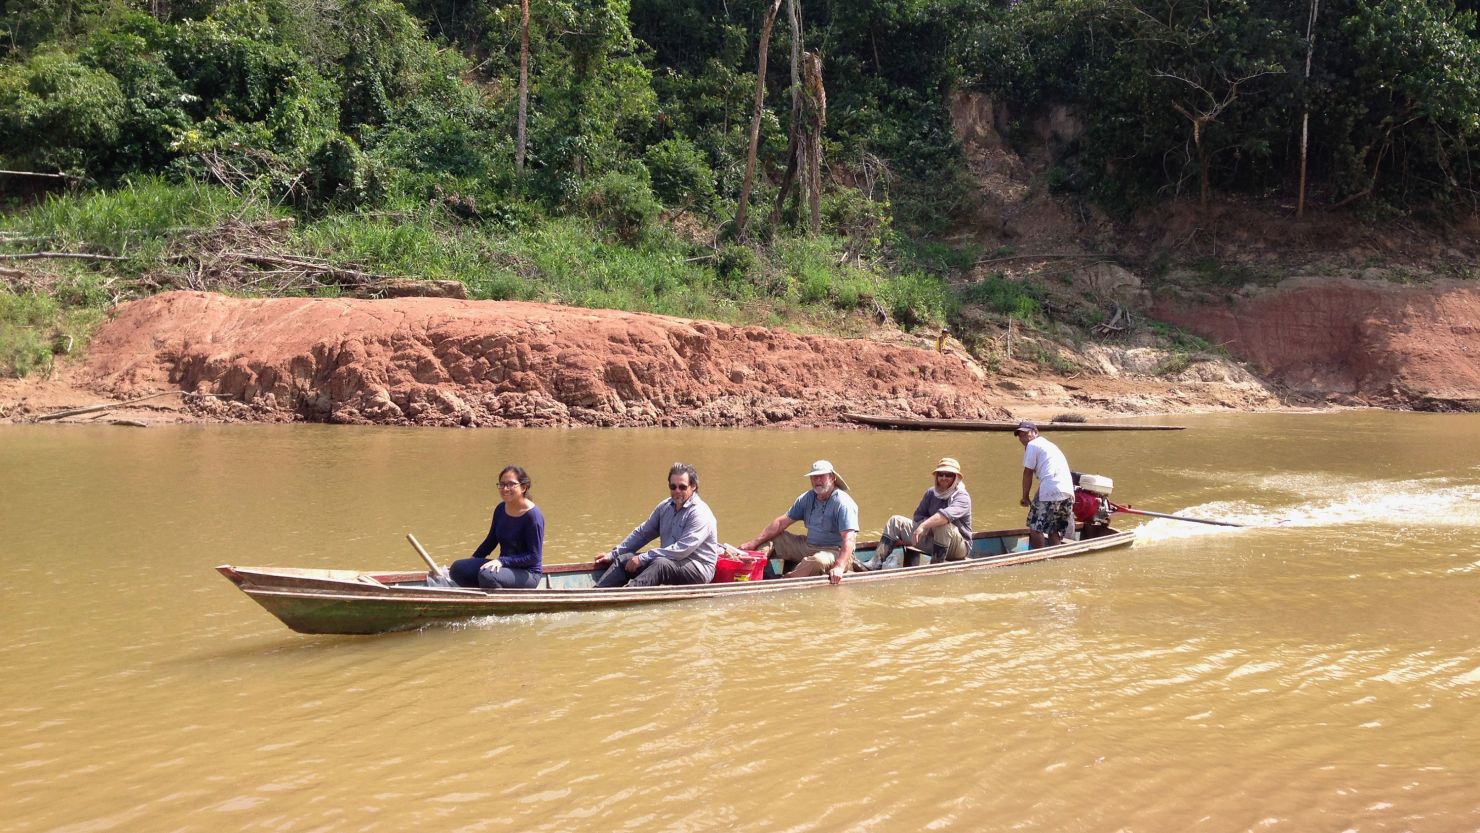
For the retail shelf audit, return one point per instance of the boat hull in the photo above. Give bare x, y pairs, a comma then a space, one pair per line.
348, 602
921, 424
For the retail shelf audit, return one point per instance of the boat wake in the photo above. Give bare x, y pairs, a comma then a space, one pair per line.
1432, 502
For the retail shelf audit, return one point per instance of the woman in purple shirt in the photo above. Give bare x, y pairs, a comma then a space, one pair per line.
518, 531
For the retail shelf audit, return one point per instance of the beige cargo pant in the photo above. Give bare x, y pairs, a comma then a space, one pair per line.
946, 538
809, 560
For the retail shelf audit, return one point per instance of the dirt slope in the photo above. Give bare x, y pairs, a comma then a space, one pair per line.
426, 361
1363, 341
445, 362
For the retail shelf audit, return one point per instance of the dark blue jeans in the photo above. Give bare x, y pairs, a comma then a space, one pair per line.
660, 571
469, 572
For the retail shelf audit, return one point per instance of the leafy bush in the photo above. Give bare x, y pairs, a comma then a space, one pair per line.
916, 298
56, 113
936, 257
848, 212
1010, 298
623, 203
681, 175
340, 175
736, 266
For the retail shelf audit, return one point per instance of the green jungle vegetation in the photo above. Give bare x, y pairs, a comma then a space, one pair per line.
320, 146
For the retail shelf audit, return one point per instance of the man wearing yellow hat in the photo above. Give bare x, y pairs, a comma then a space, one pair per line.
943, 519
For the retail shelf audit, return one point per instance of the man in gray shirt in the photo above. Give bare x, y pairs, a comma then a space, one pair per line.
943, 518
687, 531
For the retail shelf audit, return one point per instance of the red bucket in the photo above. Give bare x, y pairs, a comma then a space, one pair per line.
749, 566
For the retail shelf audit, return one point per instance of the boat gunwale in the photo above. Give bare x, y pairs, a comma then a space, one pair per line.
582, 597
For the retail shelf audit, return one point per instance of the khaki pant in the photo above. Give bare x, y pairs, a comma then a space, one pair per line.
947, 539
809, 560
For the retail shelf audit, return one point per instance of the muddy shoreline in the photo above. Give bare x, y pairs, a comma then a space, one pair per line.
448, 363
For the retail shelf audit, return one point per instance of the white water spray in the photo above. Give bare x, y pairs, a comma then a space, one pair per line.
1430, 502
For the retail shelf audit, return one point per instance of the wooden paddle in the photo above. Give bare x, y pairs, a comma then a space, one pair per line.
1126, 509
431, 565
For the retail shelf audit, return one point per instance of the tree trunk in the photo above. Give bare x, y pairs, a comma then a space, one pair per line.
1310, 49
789, 178
816, 110
1202, 164
1198, 120
519, 136
755, 116
793, 139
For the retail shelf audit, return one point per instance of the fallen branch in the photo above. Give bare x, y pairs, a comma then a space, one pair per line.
68, 255
1061, 256
308, 265
1114, 325
107, 405
38, 173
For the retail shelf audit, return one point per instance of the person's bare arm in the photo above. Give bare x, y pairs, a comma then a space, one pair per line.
924, 529
772, 529
845, 557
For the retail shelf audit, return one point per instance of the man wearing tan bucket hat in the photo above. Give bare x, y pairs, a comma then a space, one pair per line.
831, 518
941, 526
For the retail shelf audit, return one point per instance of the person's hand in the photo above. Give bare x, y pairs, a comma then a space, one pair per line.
603, 559
493, 565
919, 534
634, 564
1025, 502
835, 575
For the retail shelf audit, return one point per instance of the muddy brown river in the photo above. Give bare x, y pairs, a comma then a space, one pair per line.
1316, 671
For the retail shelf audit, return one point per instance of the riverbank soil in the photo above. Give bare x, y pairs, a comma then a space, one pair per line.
424, 361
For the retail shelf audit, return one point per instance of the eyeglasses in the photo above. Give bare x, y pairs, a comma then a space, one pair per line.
944, 474
679, 487
504, 485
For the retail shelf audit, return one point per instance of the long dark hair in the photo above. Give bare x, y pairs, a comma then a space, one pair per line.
519, 474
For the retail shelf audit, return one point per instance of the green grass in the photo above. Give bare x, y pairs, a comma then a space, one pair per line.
34, 328
132, 220
564, 259
1010, 298
1180, 340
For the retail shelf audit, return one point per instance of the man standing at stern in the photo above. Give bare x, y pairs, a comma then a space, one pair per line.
687, 531
1050, 513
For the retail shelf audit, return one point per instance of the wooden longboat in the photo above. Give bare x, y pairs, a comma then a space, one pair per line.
348, 602
917, 424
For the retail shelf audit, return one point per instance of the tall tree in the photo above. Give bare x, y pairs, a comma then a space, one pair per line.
523, 122
814, 112
808, 116
755, 116
1310, 51
1210, 105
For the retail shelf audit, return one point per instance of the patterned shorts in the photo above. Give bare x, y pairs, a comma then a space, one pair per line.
1050, 516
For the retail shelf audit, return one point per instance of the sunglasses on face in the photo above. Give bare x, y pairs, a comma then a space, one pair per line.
679, 487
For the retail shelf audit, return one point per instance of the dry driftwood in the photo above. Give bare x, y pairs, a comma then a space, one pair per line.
67, 177
108, 405
67, 255
1047, 256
